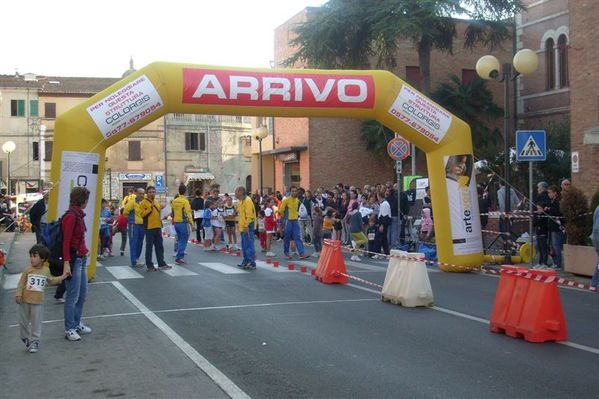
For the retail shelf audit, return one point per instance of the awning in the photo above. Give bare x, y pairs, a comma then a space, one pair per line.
285, 150
199, 176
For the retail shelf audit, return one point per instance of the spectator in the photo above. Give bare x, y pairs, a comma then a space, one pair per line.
305, 217
514, 201
137, 230
38, 216
384, 218
197, 206
317, 231
229, 216
556, 235
247, 221
105, 231
149, 210
121, 227
183, 220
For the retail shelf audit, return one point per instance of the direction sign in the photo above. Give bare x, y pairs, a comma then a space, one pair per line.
398, 148
531, 145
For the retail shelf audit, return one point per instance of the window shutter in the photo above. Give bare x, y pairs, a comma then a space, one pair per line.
33, 108
36, 151
50, 110
187, 141
202, 142
13, 108
48, 150
21, 107
134, 150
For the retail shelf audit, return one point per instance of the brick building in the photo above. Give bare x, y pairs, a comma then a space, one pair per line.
314, 152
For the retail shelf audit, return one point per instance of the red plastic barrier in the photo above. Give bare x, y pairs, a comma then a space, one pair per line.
331, 264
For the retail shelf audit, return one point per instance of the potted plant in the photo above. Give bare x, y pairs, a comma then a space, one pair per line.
579, 255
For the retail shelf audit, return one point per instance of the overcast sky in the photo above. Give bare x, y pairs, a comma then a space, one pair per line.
83, 38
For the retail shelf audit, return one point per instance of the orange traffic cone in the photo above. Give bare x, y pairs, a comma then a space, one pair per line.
331, 266
503, 298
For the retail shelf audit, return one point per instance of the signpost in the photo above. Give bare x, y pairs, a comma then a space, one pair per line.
531, 145
160, 186
398, 149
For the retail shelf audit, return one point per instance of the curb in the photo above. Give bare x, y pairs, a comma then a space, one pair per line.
7, 247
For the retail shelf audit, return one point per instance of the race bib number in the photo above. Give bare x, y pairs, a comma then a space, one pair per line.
36, 282
370, 236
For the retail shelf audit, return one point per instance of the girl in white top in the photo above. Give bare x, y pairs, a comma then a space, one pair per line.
218, 222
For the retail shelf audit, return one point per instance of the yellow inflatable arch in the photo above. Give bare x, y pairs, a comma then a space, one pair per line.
83, 134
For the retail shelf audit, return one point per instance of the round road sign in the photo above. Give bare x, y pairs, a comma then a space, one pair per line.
398, 148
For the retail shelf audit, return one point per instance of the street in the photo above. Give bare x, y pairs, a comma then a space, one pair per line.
275, 333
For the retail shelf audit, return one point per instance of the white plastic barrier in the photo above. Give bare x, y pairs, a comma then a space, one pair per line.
406, 282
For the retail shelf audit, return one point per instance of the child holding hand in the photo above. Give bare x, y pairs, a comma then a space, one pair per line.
30, 296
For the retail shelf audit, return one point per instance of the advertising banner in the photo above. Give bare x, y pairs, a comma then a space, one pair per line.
464, 215
79, 169
271, 89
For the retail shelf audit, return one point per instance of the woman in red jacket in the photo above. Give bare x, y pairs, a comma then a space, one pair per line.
74, 252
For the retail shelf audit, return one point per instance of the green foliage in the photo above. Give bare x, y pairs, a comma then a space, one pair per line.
473, 103
574, 208
376, 136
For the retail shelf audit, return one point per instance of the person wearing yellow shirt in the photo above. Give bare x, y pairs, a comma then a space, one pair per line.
149, 210
183, 219
131, 195
135, 230
291, 204
247, 221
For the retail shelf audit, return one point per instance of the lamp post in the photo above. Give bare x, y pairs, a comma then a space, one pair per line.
260, 134
524, 62
41, 155
8, 147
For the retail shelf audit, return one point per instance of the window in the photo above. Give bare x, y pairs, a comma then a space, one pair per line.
549, 65
48, 150
17, 107
33, 108
36, 151
50, 110
562, 48
468, 75
135, 150
413, 76
195, 141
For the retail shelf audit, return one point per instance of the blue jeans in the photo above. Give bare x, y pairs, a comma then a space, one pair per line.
542, 248
154, 240
182, 237
393, 232
556, 239
247, 246
292, 231
76, 293
136, 242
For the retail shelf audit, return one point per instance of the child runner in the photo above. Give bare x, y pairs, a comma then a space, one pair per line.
30, 296
207, 225
105, 232
317, 232
327, 224
270, 225
372, 235
229, 216
261, 231
218, 222
355, 228
121, 227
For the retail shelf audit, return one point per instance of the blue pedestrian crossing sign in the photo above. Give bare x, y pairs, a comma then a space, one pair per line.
531, 145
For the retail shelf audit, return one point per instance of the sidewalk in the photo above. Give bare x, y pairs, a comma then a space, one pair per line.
126, 355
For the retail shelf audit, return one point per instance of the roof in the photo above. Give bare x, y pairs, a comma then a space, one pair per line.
58, 84
285, 150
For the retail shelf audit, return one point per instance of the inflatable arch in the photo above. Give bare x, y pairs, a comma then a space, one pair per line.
83, 133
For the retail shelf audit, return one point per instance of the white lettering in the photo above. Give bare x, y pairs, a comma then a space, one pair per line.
237, 88
299, 91
210, 86
342, 89
269, 90
320, 96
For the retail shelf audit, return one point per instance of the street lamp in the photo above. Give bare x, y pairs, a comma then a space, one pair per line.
525, 62
8, 147
260, 134
41, 152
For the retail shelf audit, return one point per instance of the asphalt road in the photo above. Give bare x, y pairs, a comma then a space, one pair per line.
281, 334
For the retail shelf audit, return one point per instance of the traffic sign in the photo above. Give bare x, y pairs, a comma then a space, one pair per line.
160, 187
398, 148
531, 145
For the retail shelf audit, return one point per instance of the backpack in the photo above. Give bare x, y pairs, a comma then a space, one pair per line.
303, 212
51, 237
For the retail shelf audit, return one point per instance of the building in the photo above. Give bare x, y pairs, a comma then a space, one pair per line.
314, 152
564, 87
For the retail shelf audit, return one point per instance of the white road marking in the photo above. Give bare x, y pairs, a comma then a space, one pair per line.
11, 281
123, 272
574, 345
98, 264
177, 271
215, 374
222, 268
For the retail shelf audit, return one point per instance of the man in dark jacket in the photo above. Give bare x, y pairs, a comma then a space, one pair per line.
37, 216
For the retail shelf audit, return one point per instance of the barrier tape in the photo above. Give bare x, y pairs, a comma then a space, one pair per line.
482, 270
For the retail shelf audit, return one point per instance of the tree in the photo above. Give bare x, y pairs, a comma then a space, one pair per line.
347, 33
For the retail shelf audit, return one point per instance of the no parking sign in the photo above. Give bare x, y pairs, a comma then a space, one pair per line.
398, 148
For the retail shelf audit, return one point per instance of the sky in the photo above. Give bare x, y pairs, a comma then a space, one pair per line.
83, 38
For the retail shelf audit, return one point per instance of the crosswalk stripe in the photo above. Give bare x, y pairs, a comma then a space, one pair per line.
222, 268
123, 272
177, 271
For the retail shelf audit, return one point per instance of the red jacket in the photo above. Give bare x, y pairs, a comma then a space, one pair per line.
73, 233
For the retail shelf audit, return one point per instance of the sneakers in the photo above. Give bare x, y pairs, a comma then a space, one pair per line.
151, 269
375, 256
165, 267
304, 256
353, 244
271, 254
250, 267
288, 257
83, 329
71, 335
33, 347
122, 253
60, 300
315, 254
355, 258
180, 261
